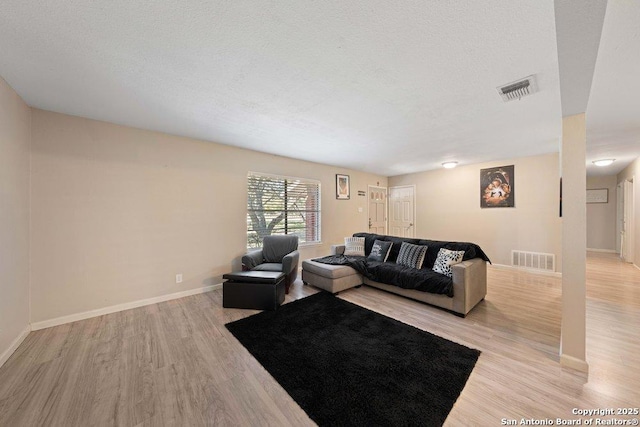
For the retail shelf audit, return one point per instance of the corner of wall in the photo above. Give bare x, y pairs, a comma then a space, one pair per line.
30, 205
15, 152
4, 356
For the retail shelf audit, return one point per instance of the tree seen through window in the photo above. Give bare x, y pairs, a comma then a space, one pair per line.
282, 205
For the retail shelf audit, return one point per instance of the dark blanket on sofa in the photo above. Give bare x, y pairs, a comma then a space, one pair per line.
425, 280
471, 250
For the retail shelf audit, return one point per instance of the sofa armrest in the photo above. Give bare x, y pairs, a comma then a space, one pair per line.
469, 284
252, 259
337, 249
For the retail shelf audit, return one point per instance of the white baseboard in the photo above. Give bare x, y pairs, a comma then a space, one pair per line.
14, 345
571, 362
119, 307
528, 270
606, 251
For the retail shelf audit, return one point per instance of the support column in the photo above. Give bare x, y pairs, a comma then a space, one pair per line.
574, 242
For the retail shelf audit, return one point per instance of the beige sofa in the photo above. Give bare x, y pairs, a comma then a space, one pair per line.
469, 283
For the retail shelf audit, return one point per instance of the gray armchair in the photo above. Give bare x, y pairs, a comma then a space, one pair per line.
278, 253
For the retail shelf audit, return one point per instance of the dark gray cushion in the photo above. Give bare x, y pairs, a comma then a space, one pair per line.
412, 278
380, 251
274, 248
268, 266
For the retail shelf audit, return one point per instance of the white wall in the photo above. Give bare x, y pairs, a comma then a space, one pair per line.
118, 212
601, 217
448, 208
632, 172
15, 137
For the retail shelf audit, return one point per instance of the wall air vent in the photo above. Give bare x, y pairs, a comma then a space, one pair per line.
518, 89
533, 260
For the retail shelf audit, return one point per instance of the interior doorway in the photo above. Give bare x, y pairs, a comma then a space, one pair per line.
378, 210
403, 211
619, 216
625, 220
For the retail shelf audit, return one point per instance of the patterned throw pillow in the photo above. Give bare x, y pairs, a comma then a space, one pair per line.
354, 246
380, 251
445, 260
411, 255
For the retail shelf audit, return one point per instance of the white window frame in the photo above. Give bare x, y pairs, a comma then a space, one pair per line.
318, 240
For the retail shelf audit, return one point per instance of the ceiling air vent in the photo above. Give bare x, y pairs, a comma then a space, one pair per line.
518, 89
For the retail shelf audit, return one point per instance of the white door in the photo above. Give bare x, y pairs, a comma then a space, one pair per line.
403, 212
626, 236
377, 210
619, 217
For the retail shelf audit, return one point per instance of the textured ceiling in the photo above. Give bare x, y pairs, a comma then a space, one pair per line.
578, 28
613, 113
387, 87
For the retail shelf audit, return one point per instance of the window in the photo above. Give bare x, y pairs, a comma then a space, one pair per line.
282, 205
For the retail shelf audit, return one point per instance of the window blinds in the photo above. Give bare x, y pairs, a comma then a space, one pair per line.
282, 205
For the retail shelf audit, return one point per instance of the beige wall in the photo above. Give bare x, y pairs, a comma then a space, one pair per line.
632, 172
118, 212
15, 129
448, 208
601, 217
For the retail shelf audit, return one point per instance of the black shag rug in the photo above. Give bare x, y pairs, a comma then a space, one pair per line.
346, 365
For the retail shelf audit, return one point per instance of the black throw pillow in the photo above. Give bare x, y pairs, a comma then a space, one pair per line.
380, 251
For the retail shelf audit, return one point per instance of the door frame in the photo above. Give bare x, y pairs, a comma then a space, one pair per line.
415, 211
629, 205
627, 249
386, 207
619, 216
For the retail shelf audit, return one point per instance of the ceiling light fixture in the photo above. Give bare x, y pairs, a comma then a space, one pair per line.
449, 165
603, 162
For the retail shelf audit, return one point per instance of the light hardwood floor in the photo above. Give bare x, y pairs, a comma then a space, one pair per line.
174, 363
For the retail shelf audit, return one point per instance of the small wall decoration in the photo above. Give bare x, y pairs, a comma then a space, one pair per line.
342, 187
497, 189
560, 197
598, 195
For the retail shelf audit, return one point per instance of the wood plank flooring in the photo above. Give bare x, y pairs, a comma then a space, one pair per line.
175, 364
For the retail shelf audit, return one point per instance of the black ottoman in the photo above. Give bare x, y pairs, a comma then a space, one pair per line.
259, 290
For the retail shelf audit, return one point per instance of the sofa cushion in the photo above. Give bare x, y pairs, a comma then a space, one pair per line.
410, 278
328, 270
354, 246
411, 255
445, 260
380, 251
268, 266
383, 272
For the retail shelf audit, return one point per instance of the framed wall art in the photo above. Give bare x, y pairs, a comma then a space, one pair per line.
598, 195
342, 187
497, 187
